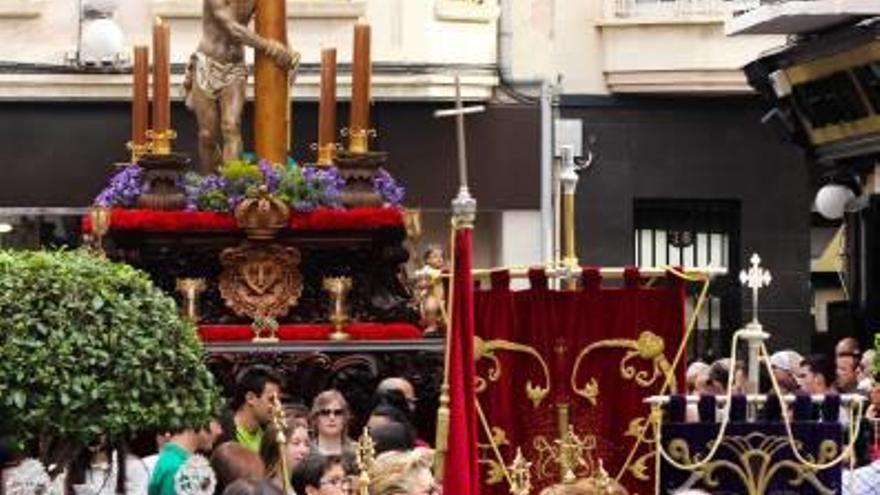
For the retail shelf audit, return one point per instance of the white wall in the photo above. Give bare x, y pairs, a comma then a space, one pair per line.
417, 33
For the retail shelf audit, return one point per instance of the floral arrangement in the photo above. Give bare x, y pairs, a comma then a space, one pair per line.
124, 188
392, 193
304, 189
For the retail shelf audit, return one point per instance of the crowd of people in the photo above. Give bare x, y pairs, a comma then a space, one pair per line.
848, 371
260, 445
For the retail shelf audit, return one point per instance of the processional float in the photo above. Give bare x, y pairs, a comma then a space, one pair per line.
267, 263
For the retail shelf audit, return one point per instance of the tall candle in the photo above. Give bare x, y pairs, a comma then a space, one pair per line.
327, 111
140, 101
360, 84
161, 76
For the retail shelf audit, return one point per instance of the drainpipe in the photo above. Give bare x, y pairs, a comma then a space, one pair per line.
505, 73
548, 216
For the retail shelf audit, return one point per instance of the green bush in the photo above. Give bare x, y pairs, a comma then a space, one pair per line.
91, 349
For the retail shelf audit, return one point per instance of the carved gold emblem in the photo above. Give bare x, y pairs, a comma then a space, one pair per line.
260, 280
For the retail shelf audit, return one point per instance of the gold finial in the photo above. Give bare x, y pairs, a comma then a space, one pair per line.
601, 482
520, 475
280, 424
366, 457
571, 449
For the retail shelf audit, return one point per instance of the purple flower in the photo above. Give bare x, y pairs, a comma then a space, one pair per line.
321, 186
271, 175
387, 187
206, 193
124, 188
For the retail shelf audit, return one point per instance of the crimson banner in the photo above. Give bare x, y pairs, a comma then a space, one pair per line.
596, 352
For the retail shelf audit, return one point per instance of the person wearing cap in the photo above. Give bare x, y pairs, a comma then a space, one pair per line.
697, 377
786, 366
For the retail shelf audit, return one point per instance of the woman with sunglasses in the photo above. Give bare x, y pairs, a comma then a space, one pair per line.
330, 417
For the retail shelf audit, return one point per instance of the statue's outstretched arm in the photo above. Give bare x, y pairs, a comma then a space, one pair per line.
243, 34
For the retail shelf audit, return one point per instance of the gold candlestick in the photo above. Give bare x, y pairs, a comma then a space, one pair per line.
160, 141
338, 288
190, 289
100, 218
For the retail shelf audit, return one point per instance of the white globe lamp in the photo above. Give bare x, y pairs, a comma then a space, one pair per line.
832, 199
102, 41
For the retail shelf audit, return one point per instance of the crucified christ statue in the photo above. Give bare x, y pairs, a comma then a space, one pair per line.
216, 78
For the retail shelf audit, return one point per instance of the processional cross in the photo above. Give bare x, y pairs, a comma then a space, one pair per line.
755, 278
463, 202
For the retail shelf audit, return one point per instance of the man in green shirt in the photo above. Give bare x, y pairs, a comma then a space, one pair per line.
251, 407
175, 453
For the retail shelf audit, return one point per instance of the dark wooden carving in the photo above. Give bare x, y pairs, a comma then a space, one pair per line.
355, 374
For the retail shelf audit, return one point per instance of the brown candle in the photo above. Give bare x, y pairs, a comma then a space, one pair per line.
140, 99
271, 105
327, 113
161, 76
359, 120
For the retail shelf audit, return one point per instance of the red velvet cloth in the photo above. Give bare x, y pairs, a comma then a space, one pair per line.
461, 474
558, 325
358, 331
206, 221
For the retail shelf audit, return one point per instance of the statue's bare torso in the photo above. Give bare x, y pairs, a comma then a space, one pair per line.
217, 78
217, 41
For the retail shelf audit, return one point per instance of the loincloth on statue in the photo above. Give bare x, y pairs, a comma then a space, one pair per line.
211, 76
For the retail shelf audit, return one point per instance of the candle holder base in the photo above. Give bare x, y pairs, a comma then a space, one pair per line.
359, 170
162, 174
339, 335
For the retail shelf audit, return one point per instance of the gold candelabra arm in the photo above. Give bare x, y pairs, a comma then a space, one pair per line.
138, 151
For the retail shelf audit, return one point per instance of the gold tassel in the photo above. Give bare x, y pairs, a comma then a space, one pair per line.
442, 440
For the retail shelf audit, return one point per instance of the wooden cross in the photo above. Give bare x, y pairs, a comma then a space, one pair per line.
755, 278
459, 112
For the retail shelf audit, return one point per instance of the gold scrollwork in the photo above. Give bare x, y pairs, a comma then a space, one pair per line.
495, 473
487, 350
648, 347
754, 464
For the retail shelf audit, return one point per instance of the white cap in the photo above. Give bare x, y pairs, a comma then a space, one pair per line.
787, 360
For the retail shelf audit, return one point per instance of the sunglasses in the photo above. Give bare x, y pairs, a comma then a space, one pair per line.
331, 412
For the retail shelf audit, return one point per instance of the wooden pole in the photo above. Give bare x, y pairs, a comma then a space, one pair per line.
359, 119
271, 112
161, 77
140, 101
327, 110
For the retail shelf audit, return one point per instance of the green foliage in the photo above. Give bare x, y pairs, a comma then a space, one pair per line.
90, 348
243, 177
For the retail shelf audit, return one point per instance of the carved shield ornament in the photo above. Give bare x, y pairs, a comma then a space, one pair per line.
260, 280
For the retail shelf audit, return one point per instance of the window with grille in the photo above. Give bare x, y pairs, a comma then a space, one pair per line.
695, 233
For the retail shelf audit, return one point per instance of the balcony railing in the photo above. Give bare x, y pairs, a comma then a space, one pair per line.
676, 9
